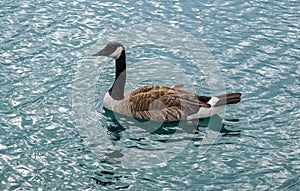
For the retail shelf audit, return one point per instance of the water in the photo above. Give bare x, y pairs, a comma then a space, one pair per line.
45, 48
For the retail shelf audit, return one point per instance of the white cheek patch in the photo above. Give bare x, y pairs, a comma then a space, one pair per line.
117, 53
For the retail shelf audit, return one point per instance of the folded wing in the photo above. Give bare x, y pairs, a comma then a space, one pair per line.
161, 103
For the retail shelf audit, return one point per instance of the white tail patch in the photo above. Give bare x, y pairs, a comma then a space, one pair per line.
213, 101
204, 112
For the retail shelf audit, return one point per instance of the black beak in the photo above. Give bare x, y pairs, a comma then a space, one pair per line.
100, 53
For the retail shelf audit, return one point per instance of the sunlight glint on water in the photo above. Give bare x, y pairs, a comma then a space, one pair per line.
45, 44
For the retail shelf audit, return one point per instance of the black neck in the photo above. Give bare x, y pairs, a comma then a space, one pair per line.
117, 89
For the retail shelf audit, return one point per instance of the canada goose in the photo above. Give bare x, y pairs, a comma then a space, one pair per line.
157, 103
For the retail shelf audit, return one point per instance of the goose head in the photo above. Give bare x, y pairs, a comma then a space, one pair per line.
111, 50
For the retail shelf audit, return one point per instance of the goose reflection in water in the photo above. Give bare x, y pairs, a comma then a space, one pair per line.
116, 124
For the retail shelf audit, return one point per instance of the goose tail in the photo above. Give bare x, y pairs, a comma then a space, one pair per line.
215, 104
226, 99
221, 100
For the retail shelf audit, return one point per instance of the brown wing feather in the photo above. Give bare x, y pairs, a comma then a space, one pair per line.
170, 114
161, 103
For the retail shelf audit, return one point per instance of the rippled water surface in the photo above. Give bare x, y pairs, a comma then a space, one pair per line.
54, 134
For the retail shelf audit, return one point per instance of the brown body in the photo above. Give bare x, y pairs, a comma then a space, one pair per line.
164, 104
161, 103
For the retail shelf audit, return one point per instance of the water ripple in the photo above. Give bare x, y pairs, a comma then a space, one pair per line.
256, 44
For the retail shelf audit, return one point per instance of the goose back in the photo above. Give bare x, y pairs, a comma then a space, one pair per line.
159, 103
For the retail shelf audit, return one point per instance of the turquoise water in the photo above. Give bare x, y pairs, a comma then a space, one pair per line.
46, 143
